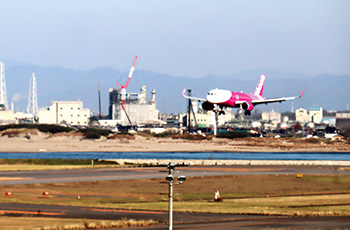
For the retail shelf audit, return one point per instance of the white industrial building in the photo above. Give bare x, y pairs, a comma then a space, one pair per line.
7, 117
201, 120
65, 112
316, 114
271, 117
136, 107
302, 116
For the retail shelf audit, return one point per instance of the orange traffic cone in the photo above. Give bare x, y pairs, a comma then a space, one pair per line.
217, 196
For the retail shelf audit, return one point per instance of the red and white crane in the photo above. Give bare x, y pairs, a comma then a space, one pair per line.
122, 88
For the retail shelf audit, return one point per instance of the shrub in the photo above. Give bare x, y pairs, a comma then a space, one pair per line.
11, 133
122, 136
41, 127
192, 137
233, 134
92, 135
312, 140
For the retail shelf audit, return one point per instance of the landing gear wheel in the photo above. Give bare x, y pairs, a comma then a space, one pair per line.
247, 113
221, 112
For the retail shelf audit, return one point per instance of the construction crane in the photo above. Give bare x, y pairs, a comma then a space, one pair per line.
121, 89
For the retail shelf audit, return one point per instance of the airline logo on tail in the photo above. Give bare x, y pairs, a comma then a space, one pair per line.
260, 87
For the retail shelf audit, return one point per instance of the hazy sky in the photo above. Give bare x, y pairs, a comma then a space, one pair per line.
188, 38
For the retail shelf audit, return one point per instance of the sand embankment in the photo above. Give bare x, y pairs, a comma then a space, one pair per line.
41, 142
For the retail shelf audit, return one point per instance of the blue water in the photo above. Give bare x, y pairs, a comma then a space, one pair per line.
180, 155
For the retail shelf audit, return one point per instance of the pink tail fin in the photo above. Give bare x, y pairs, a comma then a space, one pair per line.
260, 87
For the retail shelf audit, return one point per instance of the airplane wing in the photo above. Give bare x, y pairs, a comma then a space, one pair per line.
272, 100
193, 98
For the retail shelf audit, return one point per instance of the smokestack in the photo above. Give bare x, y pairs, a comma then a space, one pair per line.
153, 96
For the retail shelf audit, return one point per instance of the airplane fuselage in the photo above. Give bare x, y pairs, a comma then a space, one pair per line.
227, 98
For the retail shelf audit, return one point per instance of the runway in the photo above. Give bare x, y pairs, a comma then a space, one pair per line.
101, 174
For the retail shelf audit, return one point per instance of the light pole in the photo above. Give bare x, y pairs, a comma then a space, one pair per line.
170, 179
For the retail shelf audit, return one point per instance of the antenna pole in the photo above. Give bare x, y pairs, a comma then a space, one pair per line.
99, 100
33, 97
3, 97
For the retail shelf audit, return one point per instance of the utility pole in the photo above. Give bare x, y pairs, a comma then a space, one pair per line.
171, 169
170, 179
189, 111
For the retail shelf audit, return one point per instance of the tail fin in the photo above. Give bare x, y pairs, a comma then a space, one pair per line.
260, 87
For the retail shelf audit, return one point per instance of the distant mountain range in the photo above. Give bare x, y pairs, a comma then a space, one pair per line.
56, 83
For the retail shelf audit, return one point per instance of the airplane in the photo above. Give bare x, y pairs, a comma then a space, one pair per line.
244, 101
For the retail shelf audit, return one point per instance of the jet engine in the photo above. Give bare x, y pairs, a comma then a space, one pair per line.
248, 106
207, 106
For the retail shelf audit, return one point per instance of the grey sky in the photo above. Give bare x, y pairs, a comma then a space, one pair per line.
189, 38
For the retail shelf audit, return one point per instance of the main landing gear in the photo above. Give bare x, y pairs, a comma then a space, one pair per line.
221, 112
247, 112
218, 111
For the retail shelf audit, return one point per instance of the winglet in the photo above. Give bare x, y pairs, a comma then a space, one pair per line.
192, 98
302, 93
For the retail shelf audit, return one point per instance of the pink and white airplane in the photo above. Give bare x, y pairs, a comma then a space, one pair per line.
244, 101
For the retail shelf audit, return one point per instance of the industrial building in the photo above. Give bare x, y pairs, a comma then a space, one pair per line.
316, 114
272, 116
65, 112
134, 109
302, 116
343, 120
7, 117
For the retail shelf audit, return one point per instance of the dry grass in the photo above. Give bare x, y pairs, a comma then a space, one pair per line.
121, 136
44, 167
288, 143
67, 224
313, 205
18, 132
197, 193
191, 137
264, 194
66, 134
